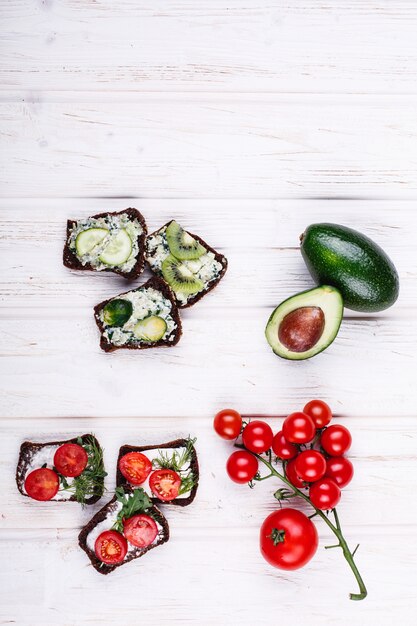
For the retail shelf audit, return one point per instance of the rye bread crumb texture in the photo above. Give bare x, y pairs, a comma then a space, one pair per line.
160, 285
218, 257
71, 260
177, 443
133, 553
28, 449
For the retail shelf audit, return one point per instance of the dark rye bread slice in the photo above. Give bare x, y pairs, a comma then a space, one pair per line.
133, 553
72, 261
177, 443
28, 449
159, 285
218, 257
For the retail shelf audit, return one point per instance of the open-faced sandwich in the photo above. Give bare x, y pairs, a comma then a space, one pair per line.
169, 471
145, 317
124, 529
111, 242
189, 265
71, 470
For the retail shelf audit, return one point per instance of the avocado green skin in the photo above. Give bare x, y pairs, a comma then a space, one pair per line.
340, 256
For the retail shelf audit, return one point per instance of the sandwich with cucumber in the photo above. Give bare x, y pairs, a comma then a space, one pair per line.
110, 242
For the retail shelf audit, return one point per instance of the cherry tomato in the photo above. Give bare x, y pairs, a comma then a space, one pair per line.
228, 424
291, 474
298, 428
288, 539
70, 459
339, 469
42, 484
165, 484
257, 436
241, 466
310, 465
325, 494
135, 467
336, 440
140, 530
110, 547
319, 411
283, 448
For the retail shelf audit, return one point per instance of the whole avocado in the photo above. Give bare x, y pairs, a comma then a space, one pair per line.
344, 258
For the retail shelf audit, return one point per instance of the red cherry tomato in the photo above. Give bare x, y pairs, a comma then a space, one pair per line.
228, 424
339, 469
283, 448
298, 428
336, 440
70, 459
135, 467
42, 484
110, 547
165, 484
291, 474
325, 494
319, 411
288, 539
310, 465
257, 436
140, 530
241, 466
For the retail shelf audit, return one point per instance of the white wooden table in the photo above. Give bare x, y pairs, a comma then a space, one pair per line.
246, 121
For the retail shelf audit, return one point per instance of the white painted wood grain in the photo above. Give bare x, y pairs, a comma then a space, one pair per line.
223, 146
215, 45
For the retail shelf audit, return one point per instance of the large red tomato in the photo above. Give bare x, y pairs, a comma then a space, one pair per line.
288, 539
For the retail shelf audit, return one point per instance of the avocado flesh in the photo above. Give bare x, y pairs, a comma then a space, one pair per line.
325, 299
344, 258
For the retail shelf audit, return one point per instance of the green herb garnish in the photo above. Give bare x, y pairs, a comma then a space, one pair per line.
175, 461
91, 481
136, 502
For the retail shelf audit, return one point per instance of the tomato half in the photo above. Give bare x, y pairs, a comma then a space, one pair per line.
135, 467
310, 465
319, 411
228, 424
339, 469
298, 428
283, 448
70, 460
165, 484
325, 494
110, 547
140, 530
291, 474
288, 539
257, 436
336, 440
241, 466
42, 484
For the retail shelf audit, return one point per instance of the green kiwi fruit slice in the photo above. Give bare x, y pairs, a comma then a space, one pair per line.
181, 244
179, 277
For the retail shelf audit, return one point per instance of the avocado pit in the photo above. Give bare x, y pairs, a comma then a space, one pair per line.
302, 328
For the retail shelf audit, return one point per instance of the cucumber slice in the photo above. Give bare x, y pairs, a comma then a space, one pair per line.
151, 328
118, 249
117, 312
88, 239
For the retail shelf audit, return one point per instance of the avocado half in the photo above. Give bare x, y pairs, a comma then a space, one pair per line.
305, 324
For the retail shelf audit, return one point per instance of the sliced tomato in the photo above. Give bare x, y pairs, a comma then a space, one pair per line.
42, 484
110, 547
135, 467
165, 484
70, 460
140, 530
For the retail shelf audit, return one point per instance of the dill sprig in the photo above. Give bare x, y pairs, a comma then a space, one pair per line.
91, 481
132, 503
176, 460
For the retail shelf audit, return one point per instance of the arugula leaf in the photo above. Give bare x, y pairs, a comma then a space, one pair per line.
132, 504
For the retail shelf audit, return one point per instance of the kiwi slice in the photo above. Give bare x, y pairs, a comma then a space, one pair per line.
179, 277
181, 244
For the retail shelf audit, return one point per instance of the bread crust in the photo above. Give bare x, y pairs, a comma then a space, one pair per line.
134, 553
160, 285
219, 257
71, 260
28, 450
177, 443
